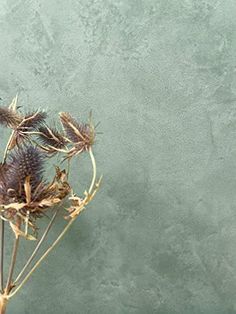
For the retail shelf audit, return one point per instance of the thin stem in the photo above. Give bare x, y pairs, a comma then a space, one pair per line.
2, 221
37, 247
94, 170
68, 168
12, 265
42, 257
60, 235
7, 146
2, 253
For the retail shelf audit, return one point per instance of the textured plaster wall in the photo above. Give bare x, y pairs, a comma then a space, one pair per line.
160, 76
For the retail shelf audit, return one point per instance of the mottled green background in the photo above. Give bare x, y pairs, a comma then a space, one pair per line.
160, 76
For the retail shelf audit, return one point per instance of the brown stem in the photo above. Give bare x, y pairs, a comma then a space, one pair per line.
3, 304
42, 257
7, 146
13, 259
12, 265
1, 254
2, 221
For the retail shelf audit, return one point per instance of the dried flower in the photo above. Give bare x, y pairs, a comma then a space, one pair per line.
80, 134
3, 181
25, 161
27, 126
51, 139
32, 121
26, 193
9, 117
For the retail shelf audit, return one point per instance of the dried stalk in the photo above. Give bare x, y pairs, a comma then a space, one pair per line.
12, 265
42, 258
7, 146
94, 170
2, 221
13, 260
2, 254
37, 247
3, 304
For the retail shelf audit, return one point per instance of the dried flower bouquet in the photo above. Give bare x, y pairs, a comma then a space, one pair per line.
26, 196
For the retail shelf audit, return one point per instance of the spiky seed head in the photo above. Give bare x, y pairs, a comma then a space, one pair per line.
32, 120
29, 123
82, 135
9, 117
25, 161
51, 136
3, 178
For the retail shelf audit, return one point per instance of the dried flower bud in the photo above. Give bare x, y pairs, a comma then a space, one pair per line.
51, 137
29, 123
9, 117
25, 161
82, 135
3, 179
32, 121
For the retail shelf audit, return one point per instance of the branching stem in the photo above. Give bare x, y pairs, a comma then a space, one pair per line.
2, 253
37, 247
42, 258
12, 265
7, 146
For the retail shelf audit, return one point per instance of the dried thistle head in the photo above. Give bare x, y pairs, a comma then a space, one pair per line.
32, 121
25, 161
9, 117
3, 181
29, 123
51, 139
82, 135
23, 190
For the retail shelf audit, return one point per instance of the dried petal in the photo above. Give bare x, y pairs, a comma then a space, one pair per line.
78, 204
27, 188
20, 233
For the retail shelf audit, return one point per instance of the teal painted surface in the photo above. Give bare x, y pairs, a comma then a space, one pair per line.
160, 236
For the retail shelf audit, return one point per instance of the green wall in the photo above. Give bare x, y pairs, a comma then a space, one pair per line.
160, 75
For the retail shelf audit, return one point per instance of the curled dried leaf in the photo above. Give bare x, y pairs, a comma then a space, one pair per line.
78, 204
19, 233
